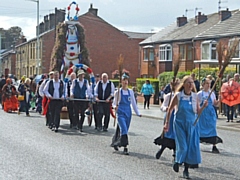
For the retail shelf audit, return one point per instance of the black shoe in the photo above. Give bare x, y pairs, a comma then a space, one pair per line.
56, 130
238, 121
215, 150
80, 130
125, 151
159, 153
115, 148
176, 167
105, 129
186, 174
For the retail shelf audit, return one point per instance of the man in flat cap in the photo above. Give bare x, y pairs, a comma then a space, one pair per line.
80, 91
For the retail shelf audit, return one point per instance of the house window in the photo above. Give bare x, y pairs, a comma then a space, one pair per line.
185, 51
209, 50
237, 53
148, 53
165, 52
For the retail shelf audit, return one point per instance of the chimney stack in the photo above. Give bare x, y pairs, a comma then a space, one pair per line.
52, 20
225, 14
181, 21
200, 18
46, 23
93, 10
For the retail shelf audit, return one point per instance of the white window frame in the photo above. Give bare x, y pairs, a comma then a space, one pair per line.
148, 48
163, 50
238, 48
210, 49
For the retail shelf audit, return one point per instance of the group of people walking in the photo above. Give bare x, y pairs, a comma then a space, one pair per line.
182, 106
182, 132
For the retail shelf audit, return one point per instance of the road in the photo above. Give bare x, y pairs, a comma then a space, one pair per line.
29, 150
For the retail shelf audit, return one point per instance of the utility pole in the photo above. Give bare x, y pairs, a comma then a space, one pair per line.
38, 62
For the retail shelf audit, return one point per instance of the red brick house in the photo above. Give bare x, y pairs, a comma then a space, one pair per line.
105, 43
193, 41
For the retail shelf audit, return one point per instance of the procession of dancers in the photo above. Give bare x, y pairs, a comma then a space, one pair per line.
182, 104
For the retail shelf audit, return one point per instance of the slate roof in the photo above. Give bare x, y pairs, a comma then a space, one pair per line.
137, 35
229, 27
157, 36
211, 28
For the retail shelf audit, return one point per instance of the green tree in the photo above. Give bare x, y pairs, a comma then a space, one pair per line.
10, 36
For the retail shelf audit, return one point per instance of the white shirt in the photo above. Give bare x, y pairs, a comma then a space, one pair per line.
125, 92
187, 97
166, 103
56, 86
80, 84
41, 93
104, 85
202, 94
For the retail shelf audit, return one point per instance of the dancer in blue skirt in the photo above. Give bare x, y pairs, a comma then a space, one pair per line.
167, 139
208, 118
187, 139
124, 114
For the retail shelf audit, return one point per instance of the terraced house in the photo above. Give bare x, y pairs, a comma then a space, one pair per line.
192, 40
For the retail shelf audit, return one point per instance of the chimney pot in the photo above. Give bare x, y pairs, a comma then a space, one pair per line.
200, 18
181, 21
93, 10
225, 14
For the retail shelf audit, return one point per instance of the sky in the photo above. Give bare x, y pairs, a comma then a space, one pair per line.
127, 15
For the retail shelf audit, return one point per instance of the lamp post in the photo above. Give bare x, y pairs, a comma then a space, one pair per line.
38, 43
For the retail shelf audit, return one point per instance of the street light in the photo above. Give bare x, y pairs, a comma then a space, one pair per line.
38, 43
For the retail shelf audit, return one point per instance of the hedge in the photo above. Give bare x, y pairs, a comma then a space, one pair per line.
166, 77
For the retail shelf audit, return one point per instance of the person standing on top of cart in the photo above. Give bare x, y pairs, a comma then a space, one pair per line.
55, 91
69, 102
80, 89
104, 90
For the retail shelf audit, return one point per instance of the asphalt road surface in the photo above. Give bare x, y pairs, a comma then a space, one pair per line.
29, 150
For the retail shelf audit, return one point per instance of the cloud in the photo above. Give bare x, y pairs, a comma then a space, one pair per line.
28, 25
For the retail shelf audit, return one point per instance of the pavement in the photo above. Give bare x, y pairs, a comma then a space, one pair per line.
154, 112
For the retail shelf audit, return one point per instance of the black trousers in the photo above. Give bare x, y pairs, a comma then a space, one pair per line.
79, 106
147, 100
96, 114
55, 107
70, 111
104, 110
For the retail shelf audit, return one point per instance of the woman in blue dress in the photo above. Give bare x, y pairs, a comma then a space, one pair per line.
208, 118
167, 139
122, 102
186, 106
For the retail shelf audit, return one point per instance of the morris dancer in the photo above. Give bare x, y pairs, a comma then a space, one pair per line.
70, 103
124, 113
9, 100
104, 90
187, 137
54, 91
167, 140
208, 118
45, 100
80, 90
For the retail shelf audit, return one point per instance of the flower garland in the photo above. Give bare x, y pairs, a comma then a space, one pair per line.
75, 18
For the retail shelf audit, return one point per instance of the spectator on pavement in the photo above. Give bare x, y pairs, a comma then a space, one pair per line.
147, 91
